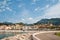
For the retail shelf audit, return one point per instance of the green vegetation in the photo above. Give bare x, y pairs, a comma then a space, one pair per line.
54, 21
58, 34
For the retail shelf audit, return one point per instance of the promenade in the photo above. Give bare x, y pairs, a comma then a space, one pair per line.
46, 35
26, 30
17, 31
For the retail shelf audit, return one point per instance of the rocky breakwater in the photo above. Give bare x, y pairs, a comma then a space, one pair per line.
19, 37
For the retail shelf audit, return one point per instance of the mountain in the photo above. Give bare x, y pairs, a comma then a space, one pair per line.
55, 21
6, 23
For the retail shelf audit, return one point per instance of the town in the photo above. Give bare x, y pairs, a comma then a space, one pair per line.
25, 27
43, 25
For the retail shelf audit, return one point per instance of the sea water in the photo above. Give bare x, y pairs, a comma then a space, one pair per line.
8, 34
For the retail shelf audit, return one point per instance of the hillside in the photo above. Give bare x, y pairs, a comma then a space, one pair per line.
55, 21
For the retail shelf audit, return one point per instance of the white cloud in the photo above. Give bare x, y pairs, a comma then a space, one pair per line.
23, 19
4, 2
19, 0
3, 9
34, 1
30, 18
27, 20
25, 13
53, 1
4, 6
47, 6
53, 12
26, 16
37, 9
8, 8
34, 20
0, 10
21, 5
59, 0
8, 0
50, 12
44, 8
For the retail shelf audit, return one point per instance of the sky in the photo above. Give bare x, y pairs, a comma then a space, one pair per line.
28, 11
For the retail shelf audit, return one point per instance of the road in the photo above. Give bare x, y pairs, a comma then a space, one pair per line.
46, 35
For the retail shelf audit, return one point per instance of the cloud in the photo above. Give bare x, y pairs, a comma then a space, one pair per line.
53, 12
34, 1
4, 6
21, 5
49, 12
25, 13
59, 0
8, 8
47, 6
36, 9
25, 16
30, 18
4, 2
4, 9
23, 19
0, 10
27, 20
